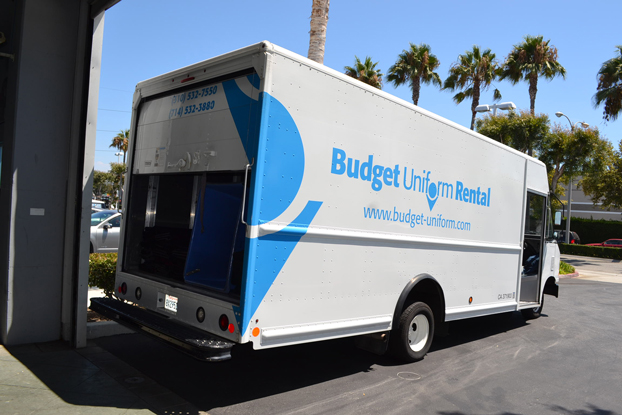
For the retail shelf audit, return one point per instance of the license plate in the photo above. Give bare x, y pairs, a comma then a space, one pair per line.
170, 303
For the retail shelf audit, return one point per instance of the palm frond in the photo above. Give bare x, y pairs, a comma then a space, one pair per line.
415, 65
496, 96
365, 72
459, 97
609, 89
473, 71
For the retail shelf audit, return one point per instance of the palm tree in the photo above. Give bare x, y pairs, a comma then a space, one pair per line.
473, 72
530, 60
609, 90
365, 72
120, 142
415, 65
317, 34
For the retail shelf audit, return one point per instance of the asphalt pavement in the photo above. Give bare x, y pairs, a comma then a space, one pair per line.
566, 362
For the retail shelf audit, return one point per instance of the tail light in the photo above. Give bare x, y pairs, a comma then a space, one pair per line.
123, 288
223, 322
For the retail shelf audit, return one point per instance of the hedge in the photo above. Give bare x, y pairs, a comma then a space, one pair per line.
102, 269
592, 251
594, 230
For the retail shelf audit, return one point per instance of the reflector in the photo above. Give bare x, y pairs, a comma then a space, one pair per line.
200, 314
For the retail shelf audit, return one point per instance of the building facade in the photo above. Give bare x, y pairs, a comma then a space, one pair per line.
582, 206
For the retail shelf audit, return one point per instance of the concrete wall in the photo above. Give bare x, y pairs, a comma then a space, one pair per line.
37, 178
10, 18
44, 182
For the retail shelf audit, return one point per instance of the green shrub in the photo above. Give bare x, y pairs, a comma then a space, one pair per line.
565, 268
593, 251
594, 230
102, 269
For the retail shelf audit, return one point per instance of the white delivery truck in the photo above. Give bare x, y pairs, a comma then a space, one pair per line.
275, 201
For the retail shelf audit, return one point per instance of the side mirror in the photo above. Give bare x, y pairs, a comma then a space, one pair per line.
107, 226
558, 215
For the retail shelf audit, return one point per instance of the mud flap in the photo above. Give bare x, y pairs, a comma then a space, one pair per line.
376, 343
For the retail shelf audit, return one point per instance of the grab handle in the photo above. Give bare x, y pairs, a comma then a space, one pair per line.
248, 167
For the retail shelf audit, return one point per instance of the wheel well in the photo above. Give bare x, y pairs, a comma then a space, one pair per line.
426, 289
551, 288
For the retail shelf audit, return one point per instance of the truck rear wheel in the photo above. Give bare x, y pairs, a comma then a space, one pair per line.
413, 336
533, 313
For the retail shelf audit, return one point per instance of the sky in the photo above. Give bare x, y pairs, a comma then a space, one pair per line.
147, 38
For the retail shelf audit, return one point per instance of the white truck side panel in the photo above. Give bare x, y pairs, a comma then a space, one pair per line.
536, 177
347, 272
326, 110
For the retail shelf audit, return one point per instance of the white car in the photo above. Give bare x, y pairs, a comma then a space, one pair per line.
105, 231
97, 205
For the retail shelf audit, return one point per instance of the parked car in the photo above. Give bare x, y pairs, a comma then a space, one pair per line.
98, 205
101, 215
560, 236
105, 231
609, 243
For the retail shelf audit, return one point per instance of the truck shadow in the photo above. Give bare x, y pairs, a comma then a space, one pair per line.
252, 375
466, 331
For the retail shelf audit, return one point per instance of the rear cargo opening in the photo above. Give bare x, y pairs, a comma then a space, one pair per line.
186, 229
183, 224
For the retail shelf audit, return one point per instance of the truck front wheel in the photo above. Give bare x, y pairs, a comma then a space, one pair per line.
533, 313
412, 338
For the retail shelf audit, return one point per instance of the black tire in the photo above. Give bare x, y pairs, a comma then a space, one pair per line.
412, 338
91, 249
533, 313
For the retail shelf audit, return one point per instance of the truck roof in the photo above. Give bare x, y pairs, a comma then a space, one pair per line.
239, 59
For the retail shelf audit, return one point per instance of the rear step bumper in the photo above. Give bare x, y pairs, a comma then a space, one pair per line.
198, 344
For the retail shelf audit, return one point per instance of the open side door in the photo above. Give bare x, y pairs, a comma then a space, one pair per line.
533, 245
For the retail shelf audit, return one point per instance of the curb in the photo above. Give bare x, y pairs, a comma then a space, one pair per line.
573, 275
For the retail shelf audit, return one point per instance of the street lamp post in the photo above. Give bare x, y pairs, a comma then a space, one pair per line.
506, 106
572, 127
120, 191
